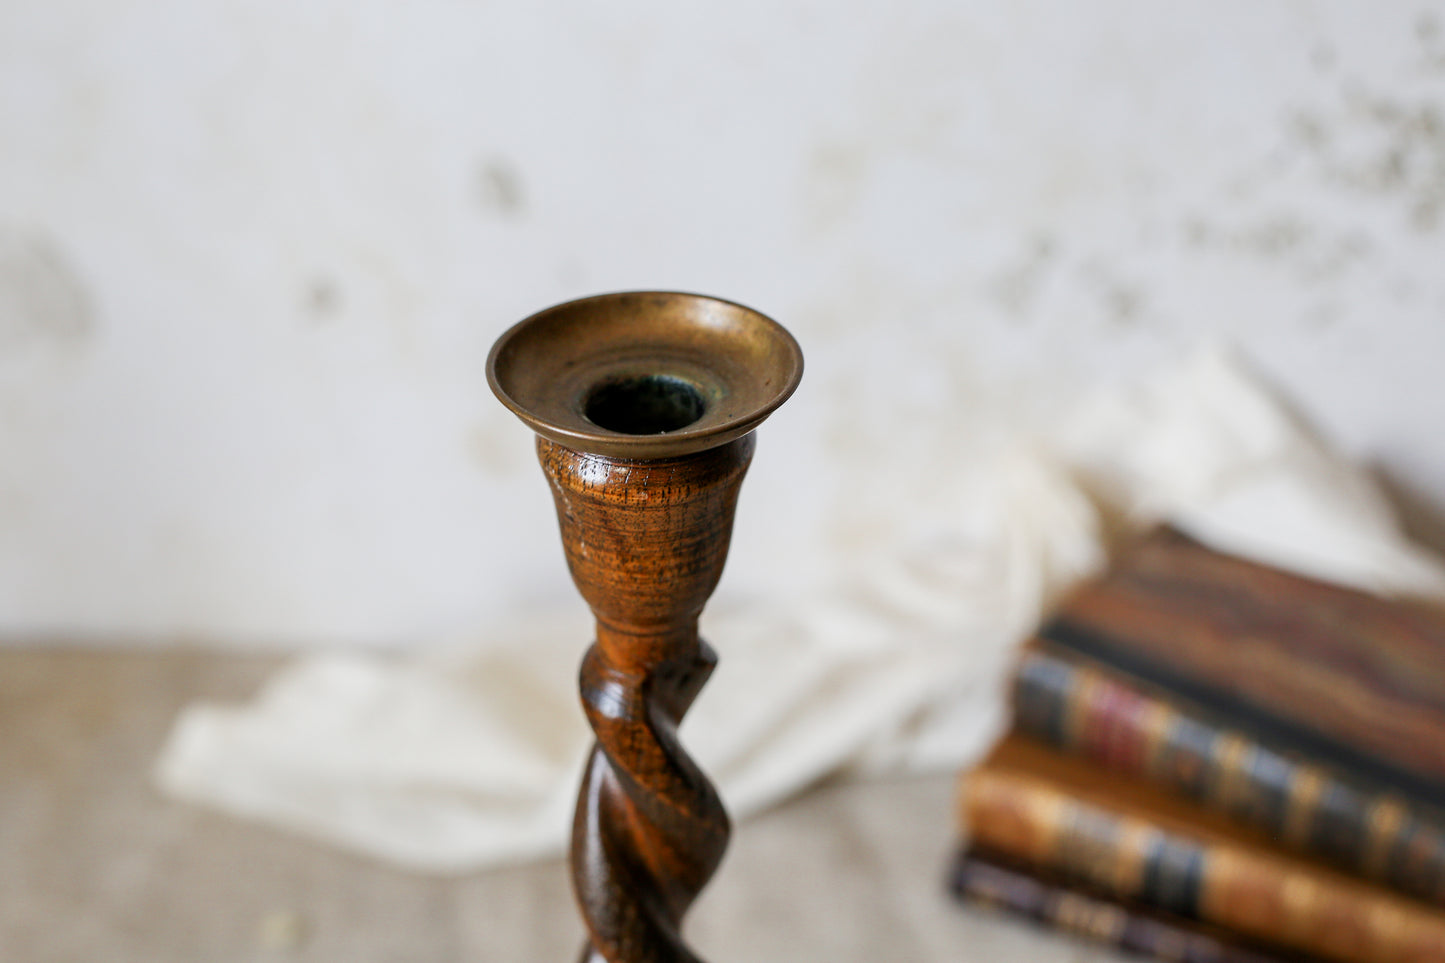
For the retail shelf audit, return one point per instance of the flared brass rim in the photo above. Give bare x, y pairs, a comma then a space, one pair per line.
678, 372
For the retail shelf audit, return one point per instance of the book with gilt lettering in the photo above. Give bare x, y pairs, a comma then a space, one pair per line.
1134, 843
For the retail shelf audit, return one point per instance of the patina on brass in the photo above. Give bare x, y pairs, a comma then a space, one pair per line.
741, 365
644, 404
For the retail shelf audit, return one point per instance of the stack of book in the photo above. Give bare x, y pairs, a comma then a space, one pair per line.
1214, 760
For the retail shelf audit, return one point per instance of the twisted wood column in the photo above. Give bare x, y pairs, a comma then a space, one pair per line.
644, 404
645, 542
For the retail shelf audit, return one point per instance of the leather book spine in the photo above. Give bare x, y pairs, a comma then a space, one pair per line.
983, 878
1245, 889
1137, 731
1355, 675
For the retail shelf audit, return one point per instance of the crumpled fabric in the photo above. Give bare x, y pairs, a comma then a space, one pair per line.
469, 757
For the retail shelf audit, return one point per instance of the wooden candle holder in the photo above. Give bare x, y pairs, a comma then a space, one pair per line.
644, 405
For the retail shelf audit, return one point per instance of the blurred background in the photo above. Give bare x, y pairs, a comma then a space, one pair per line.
253, 255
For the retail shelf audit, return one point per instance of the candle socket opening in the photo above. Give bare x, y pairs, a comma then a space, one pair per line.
644, 405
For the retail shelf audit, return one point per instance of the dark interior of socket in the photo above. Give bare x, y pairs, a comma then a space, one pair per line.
644, 405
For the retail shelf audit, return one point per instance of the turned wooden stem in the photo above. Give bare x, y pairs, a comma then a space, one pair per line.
645, 541
644, 403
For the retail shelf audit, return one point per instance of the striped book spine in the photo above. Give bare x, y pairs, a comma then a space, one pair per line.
983, 878
1135, 730
1234, 885
1354, 678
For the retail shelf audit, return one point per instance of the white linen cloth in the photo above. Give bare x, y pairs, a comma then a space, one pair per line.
470, 758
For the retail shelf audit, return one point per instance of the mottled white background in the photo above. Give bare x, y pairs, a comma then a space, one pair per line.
252, 256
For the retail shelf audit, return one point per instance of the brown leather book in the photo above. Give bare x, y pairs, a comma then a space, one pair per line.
979, 876
1349, 679
1134, 842
1087, 709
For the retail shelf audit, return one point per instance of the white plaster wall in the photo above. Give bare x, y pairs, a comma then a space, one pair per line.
252, 255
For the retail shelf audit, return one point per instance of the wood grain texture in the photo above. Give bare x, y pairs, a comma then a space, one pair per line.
645, 542
644, 403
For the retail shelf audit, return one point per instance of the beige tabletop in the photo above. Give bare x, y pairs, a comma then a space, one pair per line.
95, 866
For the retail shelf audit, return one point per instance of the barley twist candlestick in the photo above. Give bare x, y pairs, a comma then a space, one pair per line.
644, 404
